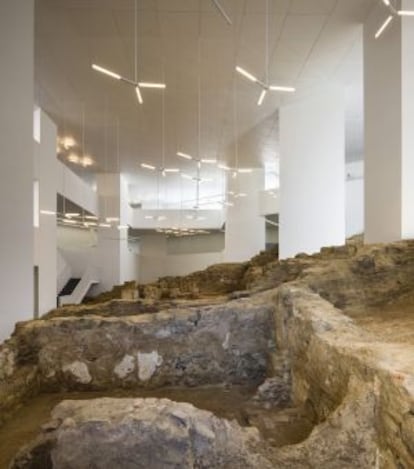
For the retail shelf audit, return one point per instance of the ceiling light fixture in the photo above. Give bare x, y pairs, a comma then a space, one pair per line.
393, 13
383, 26
265, 85
197, 160
135, 83
68, 142
222, 11
406, 12
74, 158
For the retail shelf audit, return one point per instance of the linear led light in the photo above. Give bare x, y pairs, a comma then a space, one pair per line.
224, 167
222, 12
246, 74
209, 161
187, 176
72, 214
261, 97
91, 217
386, 2
139, 95
184, 155
68, 220
171, 170
285, 89
148, 166
406, 12
383, 26
152, 85
105, 71
47, 212
104, 225
111, 219
244, 170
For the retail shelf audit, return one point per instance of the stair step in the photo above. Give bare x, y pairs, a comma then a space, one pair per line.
69, 287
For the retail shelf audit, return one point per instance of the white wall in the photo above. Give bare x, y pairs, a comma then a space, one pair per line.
161, 257
355, 198
383, 146
245, 228
72, 187
407, 227
45, 172
152, 257
312, 173
16, 163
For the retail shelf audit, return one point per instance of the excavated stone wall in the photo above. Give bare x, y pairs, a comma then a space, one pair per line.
229, 343
358, 389
332, 360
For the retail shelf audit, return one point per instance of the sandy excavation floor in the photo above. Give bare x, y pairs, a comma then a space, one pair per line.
279, 427
392, 323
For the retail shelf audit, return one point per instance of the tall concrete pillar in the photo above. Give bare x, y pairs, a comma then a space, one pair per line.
16, 163
389, 124
45, 245
115, 263
312, 173
245, 234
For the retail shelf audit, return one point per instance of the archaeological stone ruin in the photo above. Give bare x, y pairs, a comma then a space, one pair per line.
301, 363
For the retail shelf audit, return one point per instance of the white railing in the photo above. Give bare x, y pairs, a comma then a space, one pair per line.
88, 279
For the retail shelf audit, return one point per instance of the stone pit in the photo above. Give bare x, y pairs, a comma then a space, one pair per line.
300, 335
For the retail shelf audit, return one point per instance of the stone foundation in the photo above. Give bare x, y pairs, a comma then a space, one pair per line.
357, 389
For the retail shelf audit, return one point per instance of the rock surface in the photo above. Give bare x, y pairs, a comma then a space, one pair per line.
333, 362
140, 433
228, 343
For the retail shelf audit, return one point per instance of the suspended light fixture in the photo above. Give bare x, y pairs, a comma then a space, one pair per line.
138, 85
163, 171
393, 13
264, 85
198, 160
222, 11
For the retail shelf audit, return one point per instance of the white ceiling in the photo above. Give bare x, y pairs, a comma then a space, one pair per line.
311, 42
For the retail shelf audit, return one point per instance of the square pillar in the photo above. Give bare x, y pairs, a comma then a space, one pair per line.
312, 173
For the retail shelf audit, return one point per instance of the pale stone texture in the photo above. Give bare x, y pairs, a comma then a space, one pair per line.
332, 361
358, 389
178, 347
141, 433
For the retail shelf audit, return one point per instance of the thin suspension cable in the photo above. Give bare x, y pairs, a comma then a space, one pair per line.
83, 129
267, 43
117, 147
235, 126
136, 41
105, 153
163, 132
199, 124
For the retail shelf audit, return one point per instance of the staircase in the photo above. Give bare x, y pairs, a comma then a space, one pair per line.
76, 288
69, 287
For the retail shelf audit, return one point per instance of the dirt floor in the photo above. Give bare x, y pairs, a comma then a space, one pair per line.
391, 323
279, 427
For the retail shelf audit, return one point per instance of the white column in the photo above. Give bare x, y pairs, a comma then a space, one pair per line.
45, 172
16, 163
312, 173
389, 123
114, 259
245, 234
